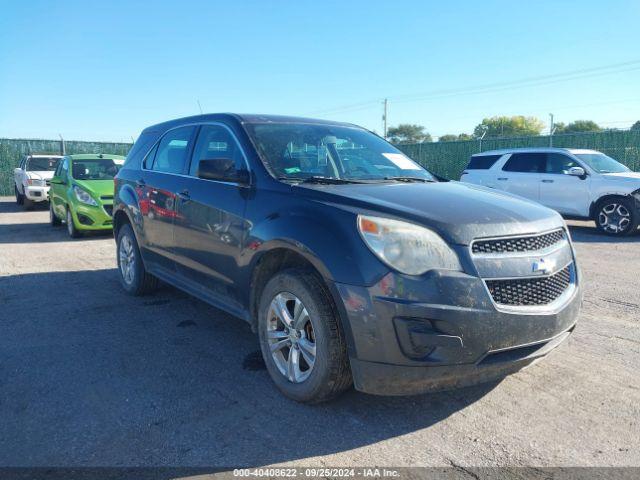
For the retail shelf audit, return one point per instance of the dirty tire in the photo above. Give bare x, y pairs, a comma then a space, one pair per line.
331, 374
53, 219
141, 282
19, 196
628, 205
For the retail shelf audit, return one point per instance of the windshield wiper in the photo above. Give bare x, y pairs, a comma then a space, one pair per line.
319, 179
410, 179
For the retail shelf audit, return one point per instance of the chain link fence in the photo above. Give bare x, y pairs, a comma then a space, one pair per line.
13, 150
446, 159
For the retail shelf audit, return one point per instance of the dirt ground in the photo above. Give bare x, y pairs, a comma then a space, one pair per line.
91, 376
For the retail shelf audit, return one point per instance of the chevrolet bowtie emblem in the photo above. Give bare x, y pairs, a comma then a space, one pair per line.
543, 266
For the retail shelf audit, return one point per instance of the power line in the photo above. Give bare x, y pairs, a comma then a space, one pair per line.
495, 87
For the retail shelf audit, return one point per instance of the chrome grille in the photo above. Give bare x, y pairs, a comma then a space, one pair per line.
518, 244
530, 291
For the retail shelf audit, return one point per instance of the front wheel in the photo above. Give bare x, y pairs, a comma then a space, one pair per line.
53, 218
617, 216
19, 196
133, 276
71, 227
300, 337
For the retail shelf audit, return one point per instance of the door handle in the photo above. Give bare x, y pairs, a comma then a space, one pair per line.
140, 183
184, 196
503, 178
547, 181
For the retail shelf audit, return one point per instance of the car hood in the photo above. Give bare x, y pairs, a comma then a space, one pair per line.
459, 212
98, 188
45, 175
629, 176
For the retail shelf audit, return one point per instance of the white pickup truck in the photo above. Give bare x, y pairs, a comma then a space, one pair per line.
584, 184
32, 177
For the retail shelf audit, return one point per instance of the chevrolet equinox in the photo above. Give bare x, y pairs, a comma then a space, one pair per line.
352, 263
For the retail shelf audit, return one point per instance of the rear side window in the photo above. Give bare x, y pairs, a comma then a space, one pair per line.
482, 162
173, 150
526, 163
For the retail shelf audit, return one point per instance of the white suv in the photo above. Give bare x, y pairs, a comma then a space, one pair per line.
32, 178
583, 184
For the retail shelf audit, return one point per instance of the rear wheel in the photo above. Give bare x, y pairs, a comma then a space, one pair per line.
300, 337
133, 276
53, 218
71, 227
617, 216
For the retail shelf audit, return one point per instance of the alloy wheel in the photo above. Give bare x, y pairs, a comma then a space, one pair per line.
291, 337
614, 218
127, 259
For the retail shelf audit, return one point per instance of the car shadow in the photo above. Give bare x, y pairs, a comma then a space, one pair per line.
165, 380
589, 233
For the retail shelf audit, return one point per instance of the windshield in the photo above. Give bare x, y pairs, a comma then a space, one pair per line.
42, 164
601, 163
304, 151
98, 169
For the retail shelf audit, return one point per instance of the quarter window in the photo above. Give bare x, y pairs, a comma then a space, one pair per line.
215, 143
526, 163
173, 150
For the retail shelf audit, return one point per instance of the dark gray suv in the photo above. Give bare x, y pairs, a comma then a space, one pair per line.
353, 263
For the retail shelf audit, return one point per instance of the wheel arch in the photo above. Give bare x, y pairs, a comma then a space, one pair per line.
603, 198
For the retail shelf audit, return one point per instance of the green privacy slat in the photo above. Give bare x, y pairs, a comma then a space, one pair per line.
12, 151
447, 159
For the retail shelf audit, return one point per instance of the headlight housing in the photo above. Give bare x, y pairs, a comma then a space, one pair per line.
35, 182
406, 247
83, 196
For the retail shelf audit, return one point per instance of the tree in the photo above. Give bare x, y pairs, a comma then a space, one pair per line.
455, 138
636, 126
516, 126
579, 126
408, 133
448, 138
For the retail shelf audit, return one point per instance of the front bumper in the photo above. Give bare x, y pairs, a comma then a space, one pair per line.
412, 335
89, 217
36, 193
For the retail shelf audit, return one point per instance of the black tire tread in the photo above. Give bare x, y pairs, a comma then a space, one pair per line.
629, 204
340, 378
148, 283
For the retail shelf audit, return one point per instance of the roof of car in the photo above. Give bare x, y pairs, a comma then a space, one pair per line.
502, 151
93, 156
44, 155
243, 118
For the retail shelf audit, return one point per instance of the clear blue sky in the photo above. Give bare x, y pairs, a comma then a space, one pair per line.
105, 70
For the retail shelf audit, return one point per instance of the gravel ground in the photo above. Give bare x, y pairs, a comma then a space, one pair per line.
91, 376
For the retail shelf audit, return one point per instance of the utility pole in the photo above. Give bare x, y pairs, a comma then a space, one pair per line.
199, 106
63, 148
552, 129
384, 118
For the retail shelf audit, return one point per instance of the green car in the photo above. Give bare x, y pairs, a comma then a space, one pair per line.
81, 192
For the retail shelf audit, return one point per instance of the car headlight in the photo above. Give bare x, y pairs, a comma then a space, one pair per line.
83, 196
406, 247
35, 182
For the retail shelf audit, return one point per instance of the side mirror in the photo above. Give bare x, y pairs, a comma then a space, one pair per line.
56, 181
577, 172
223, 170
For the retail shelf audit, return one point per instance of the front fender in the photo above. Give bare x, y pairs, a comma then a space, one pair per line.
327, 238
